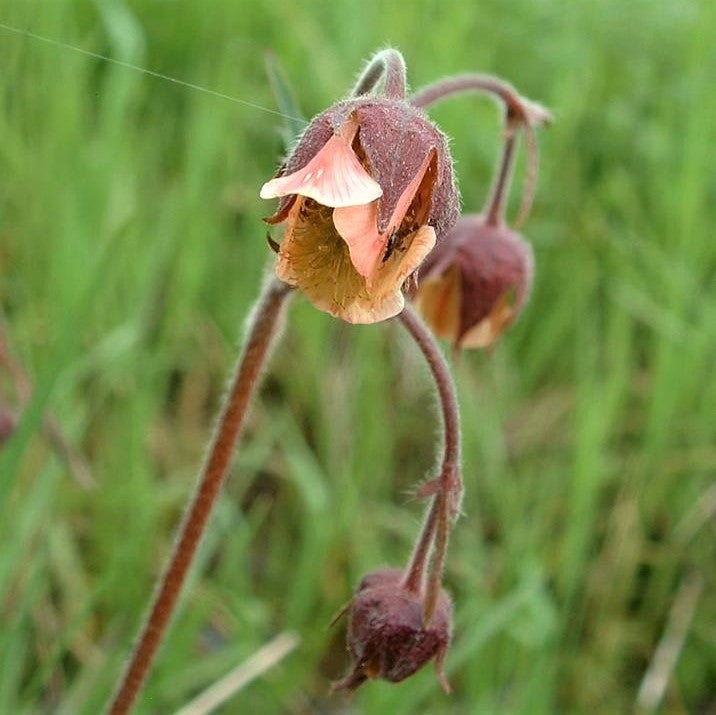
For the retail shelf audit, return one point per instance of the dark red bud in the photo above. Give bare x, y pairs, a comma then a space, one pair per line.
476, 283
386, 633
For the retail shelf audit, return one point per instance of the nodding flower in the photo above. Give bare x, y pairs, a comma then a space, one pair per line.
387, 635
365, 195
474, 285
474, 289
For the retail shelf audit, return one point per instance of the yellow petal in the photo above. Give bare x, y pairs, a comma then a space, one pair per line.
491, 326
390, 275
438, 301
316, 259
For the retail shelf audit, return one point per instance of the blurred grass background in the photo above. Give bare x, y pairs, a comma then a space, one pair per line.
131, 248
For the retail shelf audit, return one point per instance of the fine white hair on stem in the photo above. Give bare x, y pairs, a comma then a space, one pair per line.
520, 112
387, 65
258, 343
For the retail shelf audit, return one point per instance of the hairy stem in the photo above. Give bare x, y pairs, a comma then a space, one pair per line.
449, 479
519, 111
495, 208
447, 488
486, 84
261, 331
388, 64
414, 580
442, 533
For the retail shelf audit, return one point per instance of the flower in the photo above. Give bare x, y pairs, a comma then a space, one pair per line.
477, 281
474, 285
365, 195
387, 635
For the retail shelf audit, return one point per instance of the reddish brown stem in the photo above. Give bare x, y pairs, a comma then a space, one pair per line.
414, 580
444, 88
449, 479
442, 533
388, 64
448, 486
262, 330
519, 111
495, 211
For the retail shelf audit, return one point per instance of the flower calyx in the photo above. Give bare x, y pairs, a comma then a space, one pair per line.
475, 286
365, 196
387, 635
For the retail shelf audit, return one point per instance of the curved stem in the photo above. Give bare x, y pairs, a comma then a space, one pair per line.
261, 332
519, 112
386, 63
449, 479
495, 208
487, 84
448, 486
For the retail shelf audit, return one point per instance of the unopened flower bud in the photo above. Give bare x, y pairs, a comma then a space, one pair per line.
387, 635
474, 285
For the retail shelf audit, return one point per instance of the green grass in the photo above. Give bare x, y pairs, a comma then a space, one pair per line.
131, 249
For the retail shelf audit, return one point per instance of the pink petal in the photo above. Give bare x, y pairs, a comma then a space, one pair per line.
358, 227
334, 177
406, 198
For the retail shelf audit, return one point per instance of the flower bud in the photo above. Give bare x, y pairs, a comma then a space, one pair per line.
365, 195
474, 285
386, 633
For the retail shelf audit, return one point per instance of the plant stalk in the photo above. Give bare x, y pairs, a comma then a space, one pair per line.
520, 112
262, 329
447, 488
386, 63
414, 580
495, 210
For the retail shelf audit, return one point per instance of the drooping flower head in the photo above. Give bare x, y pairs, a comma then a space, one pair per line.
387, 635
474, 285
473, 289
365, 195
